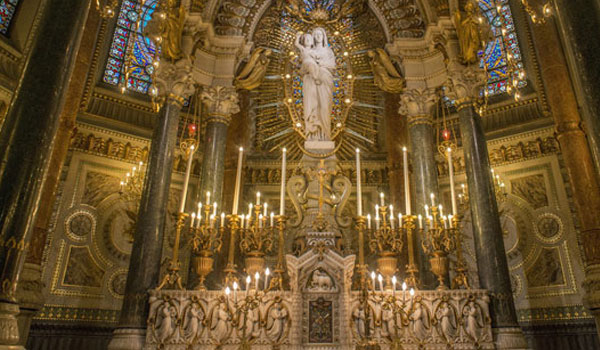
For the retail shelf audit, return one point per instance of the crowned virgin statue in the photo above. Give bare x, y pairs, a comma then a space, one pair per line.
317, 68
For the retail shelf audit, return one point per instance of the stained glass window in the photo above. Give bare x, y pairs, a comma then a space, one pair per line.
505, 41
130, 46
7, 11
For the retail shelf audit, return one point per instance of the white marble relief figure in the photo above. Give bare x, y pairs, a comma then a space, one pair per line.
192, 324
446, 321
220, 322
473, 320
420, 321
318, 65
277, 322
165, 322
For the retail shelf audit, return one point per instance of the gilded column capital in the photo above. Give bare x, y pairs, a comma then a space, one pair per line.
174, 81
221, 102
416, 104
465, 84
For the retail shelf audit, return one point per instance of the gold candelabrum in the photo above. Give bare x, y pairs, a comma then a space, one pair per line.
241, 304
206, 230
439, 239
256, 236
256, 240
386, 241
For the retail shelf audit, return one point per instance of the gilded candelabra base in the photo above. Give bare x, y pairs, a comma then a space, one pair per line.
387, 265
255, 263
461, 279
439, 267
368, 345
203, 265
411, 279
173, 279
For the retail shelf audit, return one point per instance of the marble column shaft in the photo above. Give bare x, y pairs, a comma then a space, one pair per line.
417, 105
28, 136
577, 146
425, 179
213, 163
144, 264
221, 103
487, 231
575, 20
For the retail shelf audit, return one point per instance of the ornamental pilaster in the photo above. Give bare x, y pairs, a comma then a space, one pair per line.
416, 105
174, 81
221, 102
465, 84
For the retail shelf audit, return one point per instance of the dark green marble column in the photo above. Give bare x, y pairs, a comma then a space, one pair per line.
26, 143
174, 84
425, 180
487, 232
221, 103
213, 162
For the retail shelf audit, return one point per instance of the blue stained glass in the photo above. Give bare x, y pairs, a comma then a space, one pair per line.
130, 44
7, 12
498, 13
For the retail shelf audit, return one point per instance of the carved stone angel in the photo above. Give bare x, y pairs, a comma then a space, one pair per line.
254, 71
473, 320
472, 35
386, 76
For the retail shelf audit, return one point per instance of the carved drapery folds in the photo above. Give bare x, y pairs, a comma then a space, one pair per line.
416, 104
221, 102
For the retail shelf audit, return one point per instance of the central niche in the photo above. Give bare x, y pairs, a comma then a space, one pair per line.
277, 104
320, 321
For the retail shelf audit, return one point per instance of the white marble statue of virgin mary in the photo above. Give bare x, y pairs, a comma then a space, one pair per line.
318, 65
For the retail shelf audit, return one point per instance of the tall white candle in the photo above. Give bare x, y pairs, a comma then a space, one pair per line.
265, 208
369, 221
382, 199
207, 197
238, 183
283, 178
451, 172
257, 198
406, 183
186, 180
358, 184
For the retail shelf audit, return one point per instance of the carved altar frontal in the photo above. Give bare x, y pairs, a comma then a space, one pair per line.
320, 311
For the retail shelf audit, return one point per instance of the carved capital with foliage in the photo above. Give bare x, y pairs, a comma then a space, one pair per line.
221, 102
416, 103
465, 84
174, 81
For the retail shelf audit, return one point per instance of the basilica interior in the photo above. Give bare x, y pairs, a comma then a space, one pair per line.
299, 174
